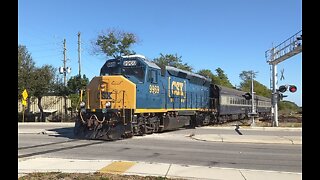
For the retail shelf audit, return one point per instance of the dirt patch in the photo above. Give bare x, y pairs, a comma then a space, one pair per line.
88, 176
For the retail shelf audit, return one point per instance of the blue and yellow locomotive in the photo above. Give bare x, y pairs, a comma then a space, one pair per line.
134, 96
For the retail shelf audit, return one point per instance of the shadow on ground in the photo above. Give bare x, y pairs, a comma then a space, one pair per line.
66, 132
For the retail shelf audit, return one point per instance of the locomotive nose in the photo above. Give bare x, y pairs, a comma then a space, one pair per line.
111, 92
111, 101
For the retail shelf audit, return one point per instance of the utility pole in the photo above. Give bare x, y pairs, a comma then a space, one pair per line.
79, 53
64, 63
64, 70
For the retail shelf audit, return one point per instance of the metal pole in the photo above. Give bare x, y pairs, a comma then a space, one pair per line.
79, 53
274, 95
64, 63
64, 77
252, 101
22, 113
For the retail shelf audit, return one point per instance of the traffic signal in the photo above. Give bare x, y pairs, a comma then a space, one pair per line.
283, 88
247, 96
293, 88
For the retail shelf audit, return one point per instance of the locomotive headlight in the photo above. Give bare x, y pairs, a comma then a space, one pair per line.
82, 104
102, 87
108, 104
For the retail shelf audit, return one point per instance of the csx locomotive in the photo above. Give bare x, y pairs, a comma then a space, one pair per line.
134, 96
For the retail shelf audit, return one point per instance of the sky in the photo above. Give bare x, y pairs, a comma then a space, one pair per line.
207, 34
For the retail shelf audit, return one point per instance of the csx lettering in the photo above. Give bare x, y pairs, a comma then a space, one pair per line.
177, 88
108, 95
104, 95
154, 89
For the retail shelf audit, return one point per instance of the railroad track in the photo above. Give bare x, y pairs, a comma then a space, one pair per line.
54, 148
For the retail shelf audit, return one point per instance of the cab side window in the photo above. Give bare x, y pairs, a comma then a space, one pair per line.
153, 76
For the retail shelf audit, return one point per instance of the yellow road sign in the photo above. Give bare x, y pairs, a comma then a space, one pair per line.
24, 94
24, 102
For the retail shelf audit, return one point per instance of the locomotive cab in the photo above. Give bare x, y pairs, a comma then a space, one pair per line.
131, 67
111, 99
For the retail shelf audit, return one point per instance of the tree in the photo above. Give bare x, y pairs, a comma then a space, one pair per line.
258, 88
206, 73
219, 79
246, 75
115, 43
76, 83
26, 67
288, 105
42, 80
222, 78
172, 60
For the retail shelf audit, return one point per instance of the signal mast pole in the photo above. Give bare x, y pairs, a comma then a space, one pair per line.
253, 112
274, 108
274, 56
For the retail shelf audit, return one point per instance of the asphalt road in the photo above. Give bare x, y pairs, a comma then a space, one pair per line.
170, 147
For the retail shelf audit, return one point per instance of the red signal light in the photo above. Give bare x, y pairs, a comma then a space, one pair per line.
293, 88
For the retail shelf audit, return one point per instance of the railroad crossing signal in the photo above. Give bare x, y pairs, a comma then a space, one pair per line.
24, 97
283, 88
293, 88
247, 96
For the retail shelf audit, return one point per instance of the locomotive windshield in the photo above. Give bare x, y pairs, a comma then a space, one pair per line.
131, 68
111, 67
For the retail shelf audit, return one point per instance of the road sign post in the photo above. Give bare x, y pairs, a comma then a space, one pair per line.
24, 102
